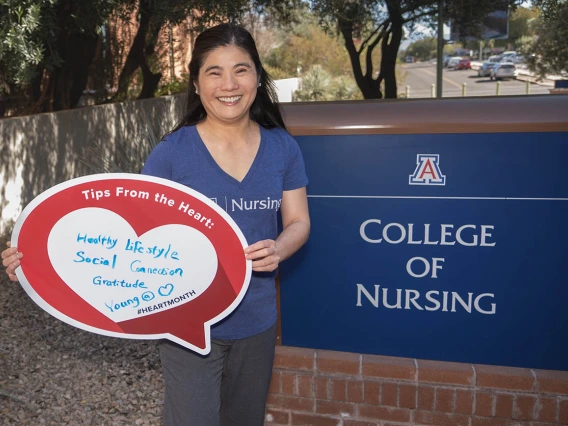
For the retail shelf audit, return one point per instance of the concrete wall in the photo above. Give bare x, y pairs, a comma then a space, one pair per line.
40, 151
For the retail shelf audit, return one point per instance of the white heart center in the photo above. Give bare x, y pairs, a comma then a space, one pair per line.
125, 276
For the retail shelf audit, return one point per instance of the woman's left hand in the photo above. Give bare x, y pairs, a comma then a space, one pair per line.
264, 255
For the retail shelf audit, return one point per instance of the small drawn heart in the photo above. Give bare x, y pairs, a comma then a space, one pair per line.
166, 290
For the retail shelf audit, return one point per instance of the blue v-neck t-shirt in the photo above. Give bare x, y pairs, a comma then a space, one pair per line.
252, 203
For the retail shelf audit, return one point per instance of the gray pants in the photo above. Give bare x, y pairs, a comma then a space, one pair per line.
228, 387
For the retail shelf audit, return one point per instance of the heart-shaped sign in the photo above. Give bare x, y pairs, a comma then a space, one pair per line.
132, 256
120, 273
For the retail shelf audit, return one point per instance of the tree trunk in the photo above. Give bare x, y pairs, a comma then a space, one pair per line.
35, 85
151, 79
136, 56
63, 86
389, 50
73, 76
372, 90
369, 87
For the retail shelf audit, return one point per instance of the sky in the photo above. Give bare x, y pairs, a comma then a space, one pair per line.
421, 31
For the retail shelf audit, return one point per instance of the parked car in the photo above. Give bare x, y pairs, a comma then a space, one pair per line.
484, 70
503, 70
464, 64
509, 54
454, 61
512, 57
495, 58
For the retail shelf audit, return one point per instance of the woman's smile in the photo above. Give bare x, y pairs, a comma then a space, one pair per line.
229, 99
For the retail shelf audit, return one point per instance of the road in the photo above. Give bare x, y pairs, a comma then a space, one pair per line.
421, 75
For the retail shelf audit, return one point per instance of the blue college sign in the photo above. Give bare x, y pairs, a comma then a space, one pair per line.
448, 247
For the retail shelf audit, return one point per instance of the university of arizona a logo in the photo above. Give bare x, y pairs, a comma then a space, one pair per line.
427, 171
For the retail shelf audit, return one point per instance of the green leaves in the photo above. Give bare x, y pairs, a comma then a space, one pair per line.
548, 54
29, 31
20, 48
39, 36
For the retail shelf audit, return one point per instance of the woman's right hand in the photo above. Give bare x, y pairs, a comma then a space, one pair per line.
11, 260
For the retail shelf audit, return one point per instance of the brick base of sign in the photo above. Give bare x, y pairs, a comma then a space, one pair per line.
325, 388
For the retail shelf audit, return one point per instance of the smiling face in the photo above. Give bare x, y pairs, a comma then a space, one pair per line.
227, 85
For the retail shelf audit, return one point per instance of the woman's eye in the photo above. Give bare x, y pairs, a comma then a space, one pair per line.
242, 70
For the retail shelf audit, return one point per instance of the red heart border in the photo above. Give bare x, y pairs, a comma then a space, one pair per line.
187, 324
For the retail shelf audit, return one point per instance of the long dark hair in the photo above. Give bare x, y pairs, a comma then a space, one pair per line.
264, 110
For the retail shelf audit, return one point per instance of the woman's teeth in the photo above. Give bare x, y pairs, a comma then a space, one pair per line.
231, 99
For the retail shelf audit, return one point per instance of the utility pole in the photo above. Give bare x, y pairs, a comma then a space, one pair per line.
440, 60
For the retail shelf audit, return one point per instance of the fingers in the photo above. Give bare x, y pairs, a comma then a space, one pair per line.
264, 269
261, 249
267, 264
259, 246
11, 267
259, 254
264, 255
11, 260
10, 255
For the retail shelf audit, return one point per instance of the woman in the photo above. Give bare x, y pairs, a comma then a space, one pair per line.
231, 146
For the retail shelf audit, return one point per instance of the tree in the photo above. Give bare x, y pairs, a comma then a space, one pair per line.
318, 85
155, 14
548, 54
524, 43
315, 85
20, 50
366, 24
48, 46
307, 45
422, 49
522, 22
303, 49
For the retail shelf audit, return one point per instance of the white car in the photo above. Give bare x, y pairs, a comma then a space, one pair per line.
485, 69
503, 70
454, 61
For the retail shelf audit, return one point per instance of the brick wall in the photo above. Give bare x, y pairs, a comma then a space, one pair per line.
325, 388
